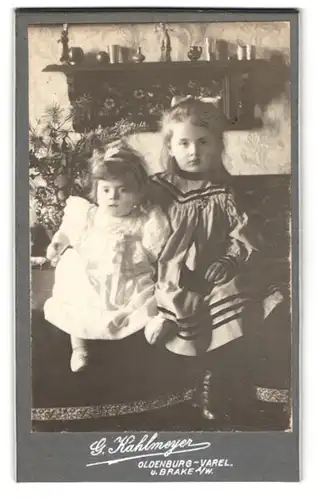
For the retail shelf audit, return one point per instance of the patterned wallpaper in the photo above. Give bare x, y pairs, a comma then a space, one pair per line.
264, 151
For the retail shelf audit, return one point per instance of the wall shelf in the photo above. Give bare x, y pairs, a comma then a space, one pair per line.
228, 67
101, 95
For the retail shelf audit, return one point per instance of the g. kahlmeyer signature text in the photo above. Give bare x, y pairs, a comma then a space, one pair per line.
146, 446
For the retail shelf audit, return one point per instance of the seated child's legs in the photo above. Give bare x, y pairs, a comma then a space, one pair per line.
79, 357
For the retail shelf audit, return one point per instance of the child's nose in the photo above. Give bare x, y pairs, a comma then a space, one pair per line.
193, 149
116, 194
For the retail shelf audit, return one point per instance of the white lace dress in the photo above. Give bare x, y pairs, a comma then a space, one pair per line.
104, 282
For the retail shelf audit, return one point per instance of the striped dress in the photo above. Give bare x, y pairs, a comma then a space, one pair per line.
206, 228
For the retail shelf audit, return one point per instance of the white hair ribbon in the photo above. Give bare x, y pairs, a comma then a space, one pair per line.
120, 152
113, 149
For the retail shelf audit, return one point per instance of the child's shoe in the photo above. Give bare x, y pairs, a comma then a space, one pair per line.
78, 360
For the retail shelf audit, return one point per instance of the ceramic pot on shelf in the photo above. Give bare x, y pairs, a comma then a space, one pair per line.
139, 56
75, 56
195, 52
103, 57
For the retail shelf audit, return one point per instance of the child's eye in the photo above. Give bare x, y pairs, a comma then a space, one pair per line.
203, 141
106, 190
183, 143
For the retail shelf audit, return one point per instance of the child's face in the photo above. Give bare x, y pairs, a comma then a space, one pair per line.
117, 197
194, 148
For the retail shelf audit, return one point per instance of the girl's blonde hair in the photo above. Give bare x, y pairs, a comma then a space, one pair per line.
198, 112
117, 160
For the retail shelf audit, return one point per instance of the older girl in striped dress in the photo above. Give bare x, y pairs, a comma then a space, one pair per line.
202, 307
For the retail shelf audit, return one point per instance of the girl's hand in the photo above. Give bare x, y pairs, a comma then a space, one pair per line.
218, 273
53, 253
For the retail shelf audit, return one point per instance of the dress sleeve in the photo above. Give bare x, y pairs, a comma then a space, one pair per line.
156, 232
241, 239
75, 218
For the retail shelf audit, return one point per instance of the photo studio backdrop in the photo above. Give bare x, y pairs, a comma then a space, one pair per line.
118, 78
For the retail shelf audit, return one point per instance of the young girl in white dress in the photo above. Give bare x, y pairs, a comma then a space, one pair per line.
201, 304
105, 252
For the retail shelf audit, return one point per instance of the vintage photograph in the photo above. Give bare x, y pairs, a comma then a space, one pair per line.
160, 226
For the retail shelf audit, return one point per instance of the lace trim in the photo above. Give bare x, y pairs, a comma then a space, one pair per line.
111, 410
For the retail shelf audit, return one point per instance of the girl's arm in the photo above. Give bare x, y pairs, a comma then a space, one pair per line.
61, 238
242, 239
240, 245
59, 243
73, 223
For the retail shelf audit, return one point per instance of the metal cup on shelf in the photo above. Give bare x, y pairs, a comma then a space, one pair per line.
210, 49
250, 52
116, 54
246, 52
241, 52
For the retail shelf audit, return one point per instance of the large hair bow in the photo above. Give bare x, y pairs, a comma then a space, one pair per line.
119, 151
105, 154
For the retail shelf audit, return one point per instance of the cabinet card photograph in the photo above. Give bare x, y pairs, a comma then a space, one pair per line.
157, 253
